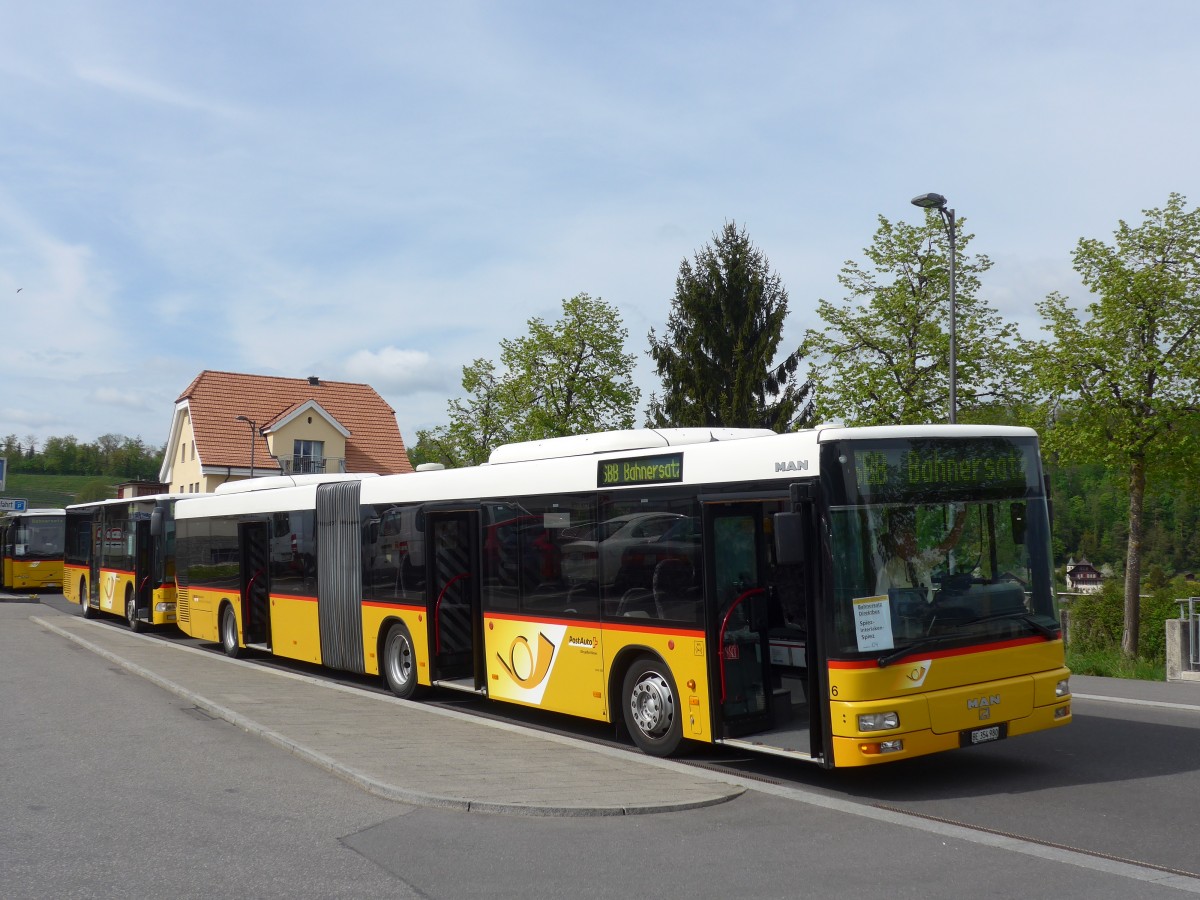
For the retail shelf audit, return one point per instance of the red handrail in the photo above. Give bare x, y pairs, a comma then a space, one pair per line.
721, 636
437, 619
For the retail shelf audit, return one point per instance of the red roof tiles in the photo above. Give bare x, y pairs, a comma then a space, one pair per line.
217, 398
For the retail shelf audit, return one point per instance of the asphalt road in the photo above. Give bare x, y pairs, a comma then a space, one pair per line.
114, 788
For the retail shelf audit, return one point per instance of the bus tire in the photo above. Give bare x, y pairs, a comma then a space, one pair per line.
85, 608
399, 663
229, 633
136, 625
651, 704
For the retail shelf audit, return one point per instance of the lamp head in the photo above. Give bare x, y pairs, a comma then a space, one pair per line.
930, 201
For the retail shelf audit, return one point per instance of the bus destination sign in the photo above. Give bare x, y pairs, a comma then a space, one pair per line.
943, 467
666, 469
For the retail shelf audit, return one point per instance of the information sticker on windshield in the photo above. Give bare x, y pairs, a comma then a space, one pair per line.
873, 623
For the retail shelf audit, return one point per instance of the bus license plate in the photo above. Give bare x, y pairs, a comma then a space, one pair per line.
982, 735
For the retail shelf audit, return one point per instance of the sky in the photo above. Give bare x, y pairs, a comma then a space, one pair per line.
382, 192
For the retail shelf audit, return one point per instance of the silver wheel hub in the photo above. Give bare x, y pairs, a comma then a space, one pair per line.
400, 662
652, 705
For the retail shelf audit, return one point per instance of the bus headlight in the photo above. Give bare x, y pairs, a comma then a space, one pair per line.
164, 607
884, 721
1063, 688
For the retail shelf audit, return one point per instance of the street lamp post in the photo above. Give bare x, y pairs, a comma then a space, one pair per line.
253, 438
938, 202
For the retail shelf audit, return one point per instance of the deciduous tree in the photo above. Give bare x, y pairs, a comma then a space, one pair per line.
569, 377
883, 356
1126, 379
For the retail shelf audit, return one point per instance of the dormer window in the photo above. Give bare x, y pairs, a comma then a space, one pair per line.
308, 457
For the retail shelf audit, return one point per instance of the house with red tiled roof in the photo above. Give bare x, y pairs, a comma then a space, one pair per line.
229, 426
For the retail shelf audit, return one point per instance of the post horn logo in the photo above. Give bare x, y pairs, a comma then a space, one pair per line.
524, 666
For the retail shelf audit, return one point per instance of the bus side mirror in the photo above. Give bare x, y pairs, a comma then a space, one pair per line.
1017, 513
156, 522
789, 539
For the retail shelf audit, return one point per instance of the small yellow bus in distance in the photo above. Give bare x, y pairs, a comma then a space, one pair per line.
844, 596
31, 545
120, 558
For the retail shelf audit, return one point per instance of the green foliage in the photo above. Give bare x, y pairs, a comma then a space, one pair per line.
883, 356
1098, 620
1124, 383
717, 358
571, 377
1113, 664
57, 491
95, 490
110, 455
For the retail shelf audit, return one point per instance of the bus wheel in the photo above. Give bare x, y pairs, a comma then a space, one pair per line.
84, 606
400, 662
229, 633
135, 624
652, 712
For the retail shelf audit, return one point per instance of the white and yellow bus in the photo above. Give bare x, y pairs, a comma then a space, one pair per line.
120, 559
31, 549
721, 586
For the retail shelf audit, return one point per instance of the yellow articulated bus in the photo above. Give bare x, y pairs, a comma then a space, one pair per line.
845, 596
31, 544
120, 559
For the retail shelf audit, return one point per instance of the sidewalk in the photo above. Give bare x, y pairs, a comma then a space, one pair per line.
403, 750
426, 756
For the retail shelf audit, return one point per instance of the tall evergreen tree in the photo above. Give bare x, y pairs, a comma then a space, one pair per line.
717, 357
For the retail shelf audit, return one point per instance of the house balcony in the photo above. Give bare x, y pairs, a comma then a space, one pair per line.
308, 465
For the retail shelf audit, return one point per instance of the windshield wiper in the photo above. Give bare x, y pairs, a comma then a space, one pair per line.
888, 658
1044, 630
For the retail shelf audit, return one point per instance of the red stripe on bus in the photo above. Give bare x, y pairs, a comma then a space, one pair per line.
938, 654
593, 623
386, 604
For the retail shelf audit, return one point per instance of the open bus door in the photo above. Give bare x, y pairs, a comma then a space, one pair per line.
143, 577
761, 621
453, 598
737, 603
254, 542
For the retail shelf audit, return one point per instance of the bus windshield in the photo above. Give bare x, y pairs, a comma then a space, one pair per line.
37, 537
939, 544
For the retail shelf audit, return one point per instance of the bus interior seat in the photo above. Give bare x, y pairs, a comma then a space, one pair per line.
639, 603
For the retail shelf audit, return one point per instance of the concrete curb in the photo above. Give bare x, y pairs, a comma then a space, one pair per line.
372, 785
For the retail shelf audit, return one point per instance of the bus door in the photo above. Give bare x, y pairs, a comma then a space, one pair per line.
254, 542
96, 558
738, 616
454, 615
143, 571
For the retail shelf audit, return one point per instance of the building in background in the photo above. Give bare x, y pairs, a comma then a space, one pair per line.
1083, 577
229, 426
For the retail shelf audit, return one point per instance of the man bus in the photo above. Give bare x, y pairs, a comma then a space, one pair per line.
762, 626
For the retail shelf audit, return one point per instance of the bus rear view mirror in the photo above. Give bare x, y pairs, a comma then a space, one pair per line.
1018, 523
789, 539
156, 522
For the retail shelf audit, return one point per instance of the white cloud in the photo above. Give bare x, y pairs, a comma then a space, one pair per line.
388, 192
394, 370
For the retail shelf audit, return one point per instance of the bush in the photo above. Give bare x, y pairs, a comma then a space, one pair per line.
1098, 620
